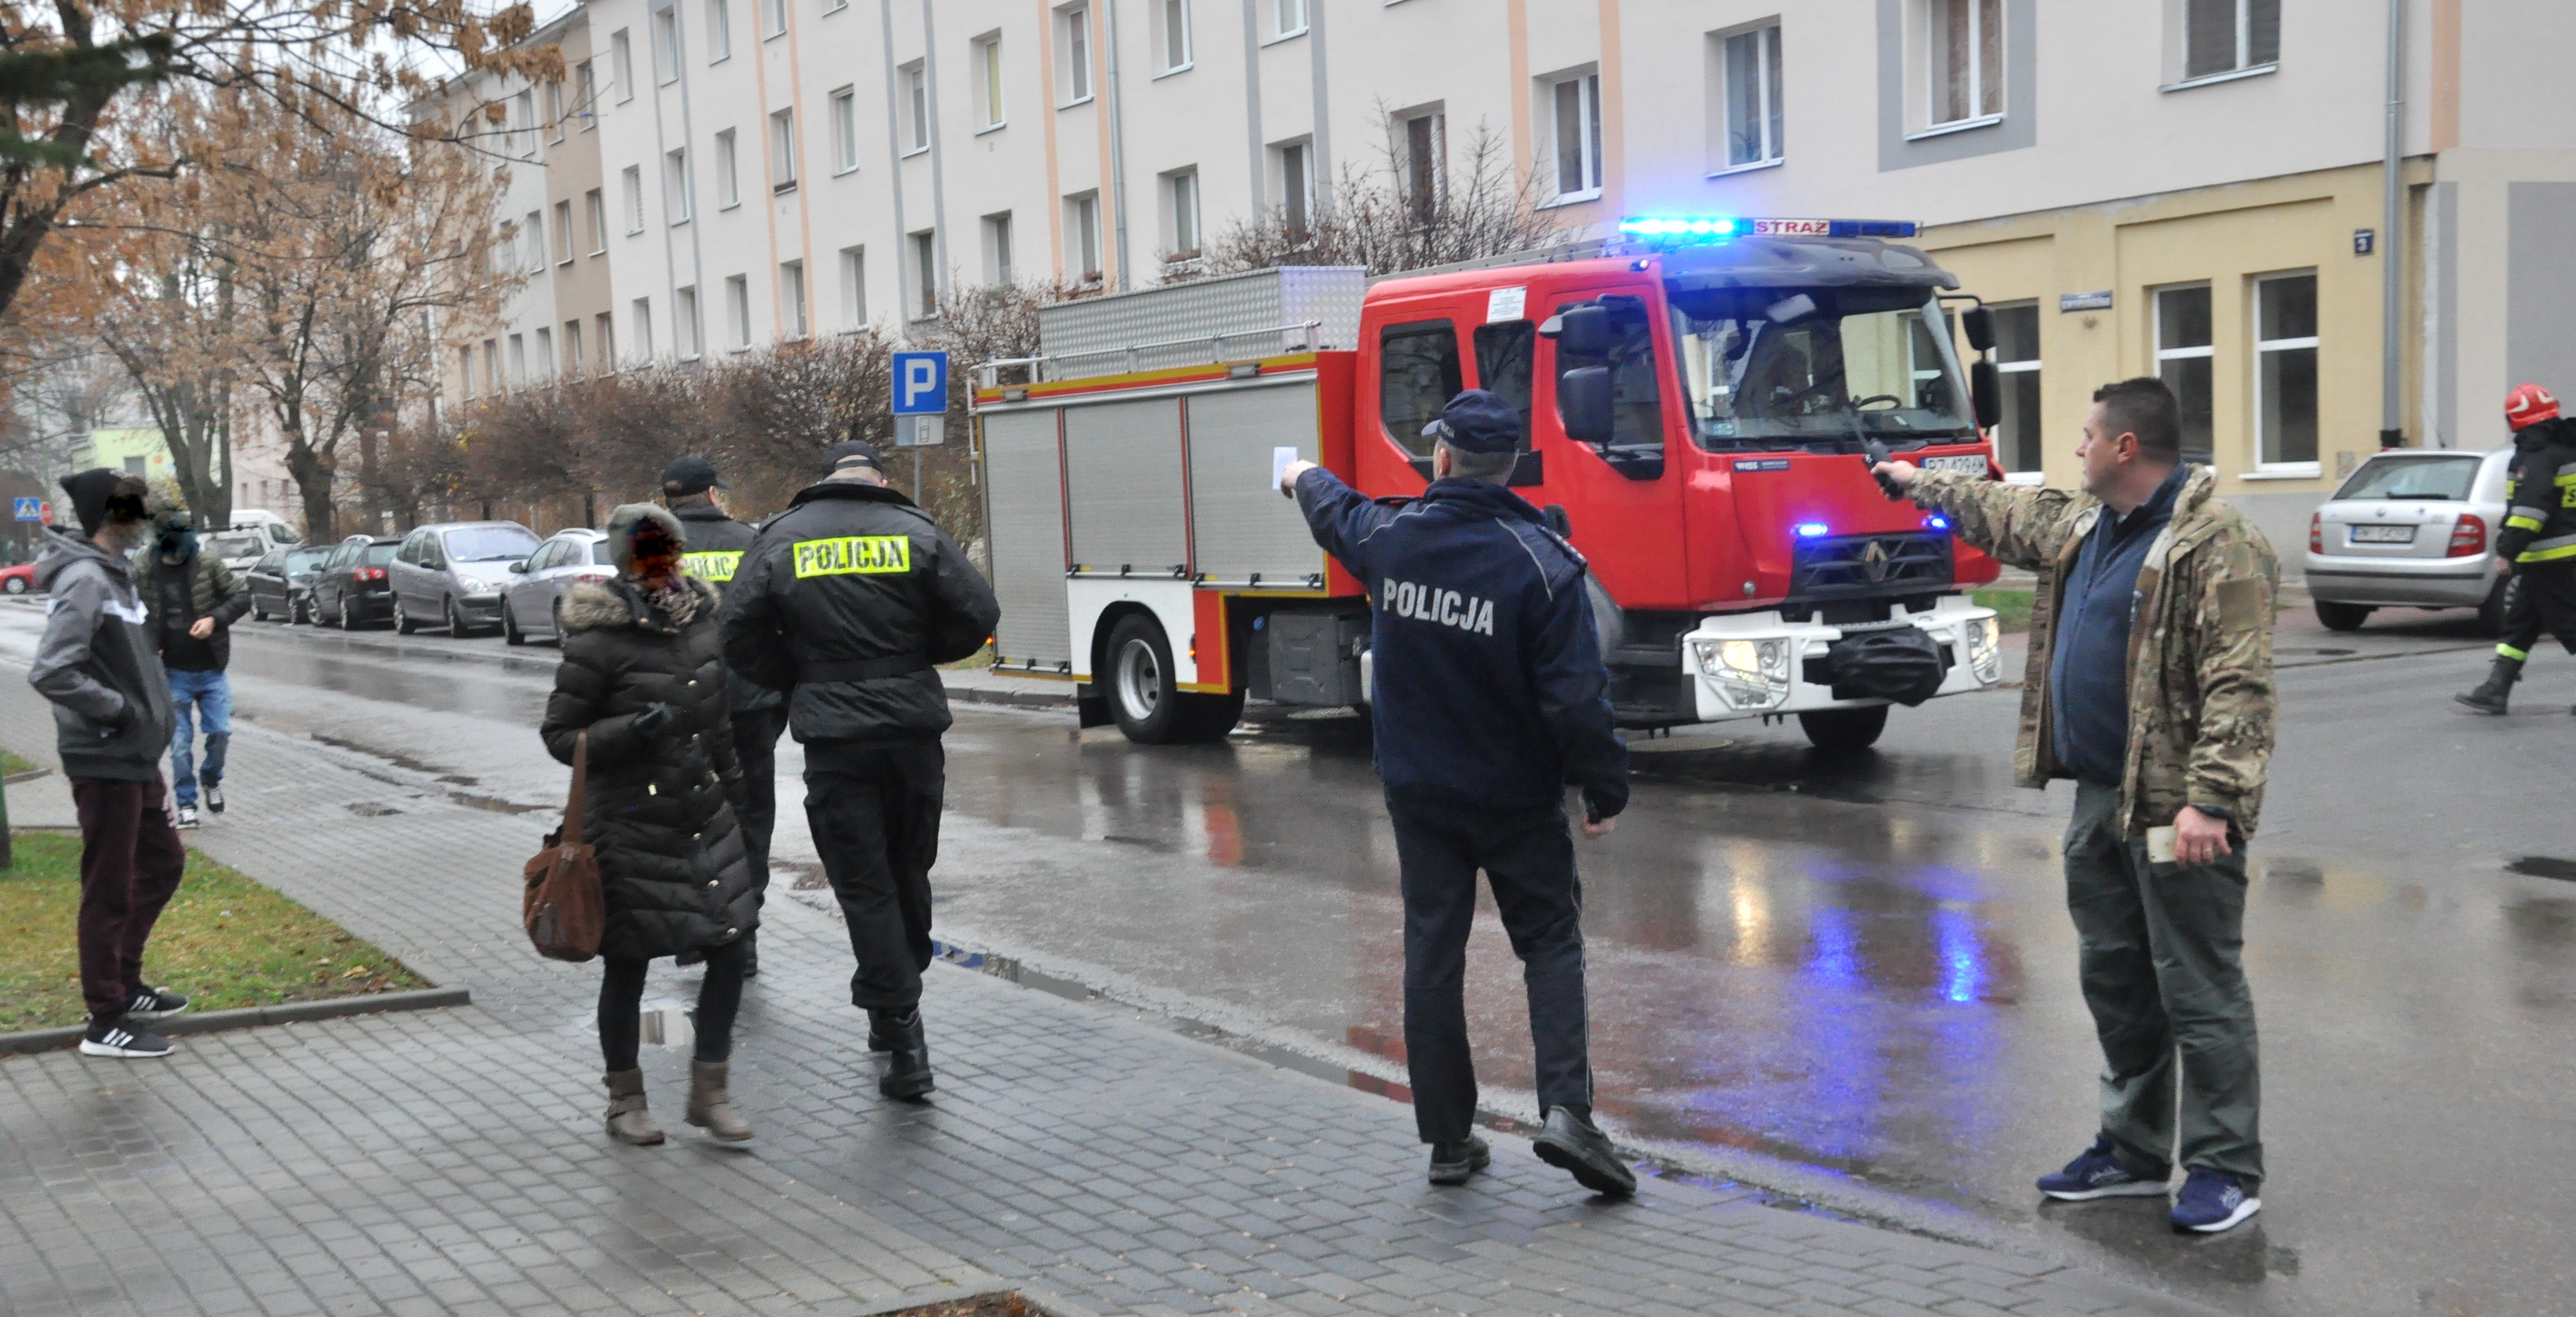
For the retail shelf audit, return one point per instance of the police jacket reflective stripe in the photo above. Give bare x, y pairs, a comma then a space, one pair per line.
1490, 687
2540, 519
846, 600
713, 545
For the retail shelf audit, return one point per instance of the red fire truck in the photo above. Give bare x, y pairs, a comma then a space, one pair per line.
1700, 394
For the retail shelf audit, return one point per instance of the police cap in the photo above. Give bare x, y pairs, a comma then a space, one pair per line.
851, 452
690, 475
1477, 421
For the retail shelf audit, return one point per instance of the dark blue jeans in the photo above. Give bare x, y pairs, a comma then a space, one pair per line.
192, 693
1528, 857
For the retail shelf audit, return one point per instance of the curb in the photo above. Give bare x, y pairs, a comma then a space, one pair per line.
1011, 698
30, 1041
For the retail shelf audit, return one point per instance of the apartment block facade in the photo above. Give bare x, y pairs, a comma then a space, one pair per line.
2189, 188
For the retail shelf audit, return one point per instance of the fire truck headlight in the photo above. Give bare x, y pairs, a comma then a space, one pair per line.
1985, 649
1751, 674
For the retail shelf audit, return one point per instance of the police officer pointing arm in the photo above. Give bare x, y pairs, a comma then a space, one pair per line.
846, 601
1490, 698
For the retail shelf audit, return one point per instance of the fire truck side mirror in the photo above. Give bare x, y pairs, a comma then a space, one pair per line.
1583, 403
1582, 330
1986, 389
1980, 326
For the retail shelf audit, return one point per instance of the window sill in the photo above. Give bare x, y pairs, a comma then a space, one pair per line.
678, 222
1078, 100
737, 349
1288, 36
2284, 471
564, 262
1773, 163
782, 189
1177, 68
1571, 199
633, 232
626, 99
918, 150
722, 207
1962, 126
845, 171
2232, 75
775, 35
603, 251
720, 59
991, 128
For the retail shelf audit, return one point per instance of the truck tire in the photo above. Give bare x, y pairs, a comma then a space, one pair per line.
2342, 617
1844, 731
1144, 696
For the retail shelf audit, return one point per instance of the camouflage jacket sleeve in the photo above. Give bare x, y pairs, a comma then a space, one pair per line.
2020, 525
2231, 646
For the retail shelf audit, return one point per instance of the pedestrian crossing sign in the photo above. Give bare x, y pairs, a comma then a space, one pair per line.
28, 509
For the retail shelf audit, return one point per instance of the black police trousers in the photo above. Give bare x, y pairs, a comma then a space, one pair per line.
755, 745
874, 810
2541, 601
1528, 857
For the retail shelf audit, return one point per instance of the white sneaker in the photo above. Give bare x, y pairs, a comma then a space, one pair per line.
214, 796
187, 817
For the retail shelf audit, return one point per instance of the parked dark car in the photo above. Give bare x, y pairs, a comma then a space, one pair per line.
281, 583
452, 574
350, 587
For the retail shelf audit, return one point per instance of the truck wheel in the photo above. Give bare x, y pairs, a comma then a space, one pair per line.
1144, 695
2346, 617
1844, 731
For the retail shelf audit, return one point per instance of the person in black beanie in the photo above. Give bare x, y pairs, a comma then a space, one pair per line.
112, 720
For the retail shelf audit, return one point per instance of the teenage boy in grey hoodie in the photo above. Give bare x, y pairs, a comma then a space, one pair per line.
112, 721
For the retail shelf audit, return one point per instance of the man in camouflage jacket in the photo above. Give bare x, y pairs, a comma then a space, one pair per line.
2150, 684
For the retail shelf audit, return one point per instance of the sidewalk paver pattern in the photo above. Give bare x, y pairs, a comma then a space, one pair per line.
452, 1161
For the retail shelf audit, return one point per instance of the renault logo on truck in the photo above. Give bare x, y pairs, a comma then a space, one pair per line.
1873, 560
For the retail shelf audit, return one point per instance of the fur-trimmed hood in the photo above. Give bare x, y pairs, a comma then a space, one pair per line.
594, 605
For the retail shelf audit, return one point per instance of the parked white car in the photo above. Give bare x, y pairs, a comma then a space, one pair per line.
2411, 529
534, 602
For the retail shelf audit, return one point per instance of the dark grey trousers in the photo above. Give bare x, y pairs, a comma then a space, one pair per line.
2162, 959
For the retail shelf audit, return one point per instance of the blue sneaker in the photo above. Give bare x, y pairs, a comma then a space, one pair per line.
2098, 1174
2211, 1201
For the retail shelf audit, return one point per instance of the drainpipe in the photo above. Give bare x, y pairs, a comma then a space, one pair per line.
2392, 289
1117, 145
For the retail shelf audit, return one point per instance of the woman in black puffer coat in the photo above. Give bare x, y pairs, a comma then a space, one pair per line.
643, 673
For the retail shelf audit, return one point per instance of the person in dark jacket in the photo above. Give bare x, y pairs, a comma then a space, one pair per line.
111, 722
1490, 698
716, 542
846, 601
192, 601
643, 674
2537, 543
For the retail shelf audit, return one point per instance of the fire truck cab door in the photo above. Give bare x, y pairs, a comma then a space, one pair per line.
1622, 494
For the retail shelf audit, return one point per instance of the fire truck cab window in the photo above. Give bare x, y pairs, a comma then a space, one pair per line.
1418, 373
1636, 396
1506, 353
1816, 375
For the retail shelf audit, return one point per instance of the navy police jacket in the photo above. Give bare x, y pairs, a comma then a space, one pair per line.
1490, 687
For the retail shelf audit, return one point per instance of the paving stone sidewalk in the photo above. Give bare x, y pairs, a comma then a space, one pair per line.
1093, 1157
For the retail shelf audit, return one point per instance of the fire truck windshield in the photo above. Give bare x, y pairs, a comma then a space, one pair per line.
1763, 370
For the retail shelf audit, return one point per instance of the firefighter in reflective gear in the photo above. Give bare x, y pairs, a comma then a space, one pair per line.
2537, 544
846, 601
715, 543
1490, 700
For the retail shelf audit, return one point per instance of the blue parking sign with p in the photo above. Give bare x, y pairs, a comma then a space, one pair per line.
920, 383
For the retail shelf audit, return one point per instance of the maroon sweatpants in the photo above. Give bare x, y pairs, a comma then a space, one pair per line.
130, 864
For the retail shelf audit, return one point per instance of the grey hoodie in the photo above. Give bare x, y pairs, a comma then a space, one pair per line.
96, 663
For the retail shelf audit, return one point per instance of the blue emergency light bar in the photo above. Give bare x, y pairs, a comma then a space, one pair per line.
1725, 226
1808, 530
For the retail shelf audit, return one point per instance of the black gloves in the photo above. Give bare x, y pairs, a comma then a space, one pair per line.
654, 722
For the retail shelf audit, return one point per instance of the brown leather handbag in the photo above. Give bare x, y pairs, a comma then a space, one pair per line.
564, 911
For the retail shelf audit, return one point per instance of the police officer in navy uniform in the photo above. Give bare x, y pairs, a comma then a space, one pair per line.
715, 544
1490, 698
845, 601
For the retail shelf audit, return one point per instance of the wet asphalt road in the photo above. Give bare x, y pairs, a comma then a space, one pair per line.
1853, 977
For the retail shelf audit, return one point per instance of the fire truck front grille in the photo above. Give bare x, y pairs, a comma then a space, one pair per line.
1869, 565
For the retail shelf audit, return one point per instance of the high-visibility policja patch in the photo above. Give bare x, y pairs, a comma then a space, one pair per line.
854, 555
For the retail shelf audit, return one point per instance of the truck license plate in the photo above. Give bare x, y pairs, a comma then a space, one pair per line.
2383, 535
1972, 463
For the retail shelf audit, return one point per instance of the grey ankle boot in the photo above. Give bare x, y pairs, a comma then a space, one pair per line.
710, 1107
628, 1121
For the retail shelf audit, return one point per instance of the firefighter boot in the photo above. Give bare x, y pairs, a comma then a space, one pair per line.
2491, 697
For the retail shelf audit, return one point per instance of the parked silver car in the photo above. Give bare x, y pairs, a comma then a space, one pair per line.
534, 604
238, 550
452, 574
2411, 529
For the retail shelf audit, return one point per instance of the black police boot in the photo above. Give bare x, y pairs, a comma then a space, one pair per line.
1453, 1163
907, 1073
2491, 695
883, 1034
1571, 1142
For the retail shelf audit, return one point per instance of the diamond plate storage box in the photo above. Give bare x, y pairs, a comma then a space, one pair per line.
1232, 318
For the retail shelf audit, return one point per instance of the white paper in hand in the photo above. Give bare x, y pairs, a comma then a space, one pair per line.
1279, 461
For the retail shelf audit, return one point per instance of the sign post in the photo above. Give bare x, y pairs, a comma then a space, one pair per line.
920, 403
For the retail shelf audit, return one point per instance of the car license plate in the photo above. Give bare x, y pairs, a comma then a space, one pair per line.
1973, 463
2383, 535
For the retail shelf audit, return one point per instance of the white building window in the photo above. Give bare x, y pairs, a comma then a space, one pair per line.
791, 298
675, 185
2229, 36
988, 81
782, 151
916, 107
845, 130
532, 242
621, 64
1751, 91
2018, 440
925, 272
608, 339
1082, 233
545, 359
643, 323
719, 31
1172, 34
776, 13
572, 347
1574, 136
1425, 165
2285, 372
666, 44
2183, 358
465, 370
1289, 17
518, 360
563, 233
491, 365
555, 110
728, 171
631, 190
854, 287
523, 134
598, 207
997, 249
1073, 42
738, 310
1965, 40
586, 95
685, 324
1297, 187
1181, 211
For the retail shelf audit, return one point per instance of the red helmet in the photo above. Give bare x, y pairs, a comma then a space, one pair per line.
2529, 404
